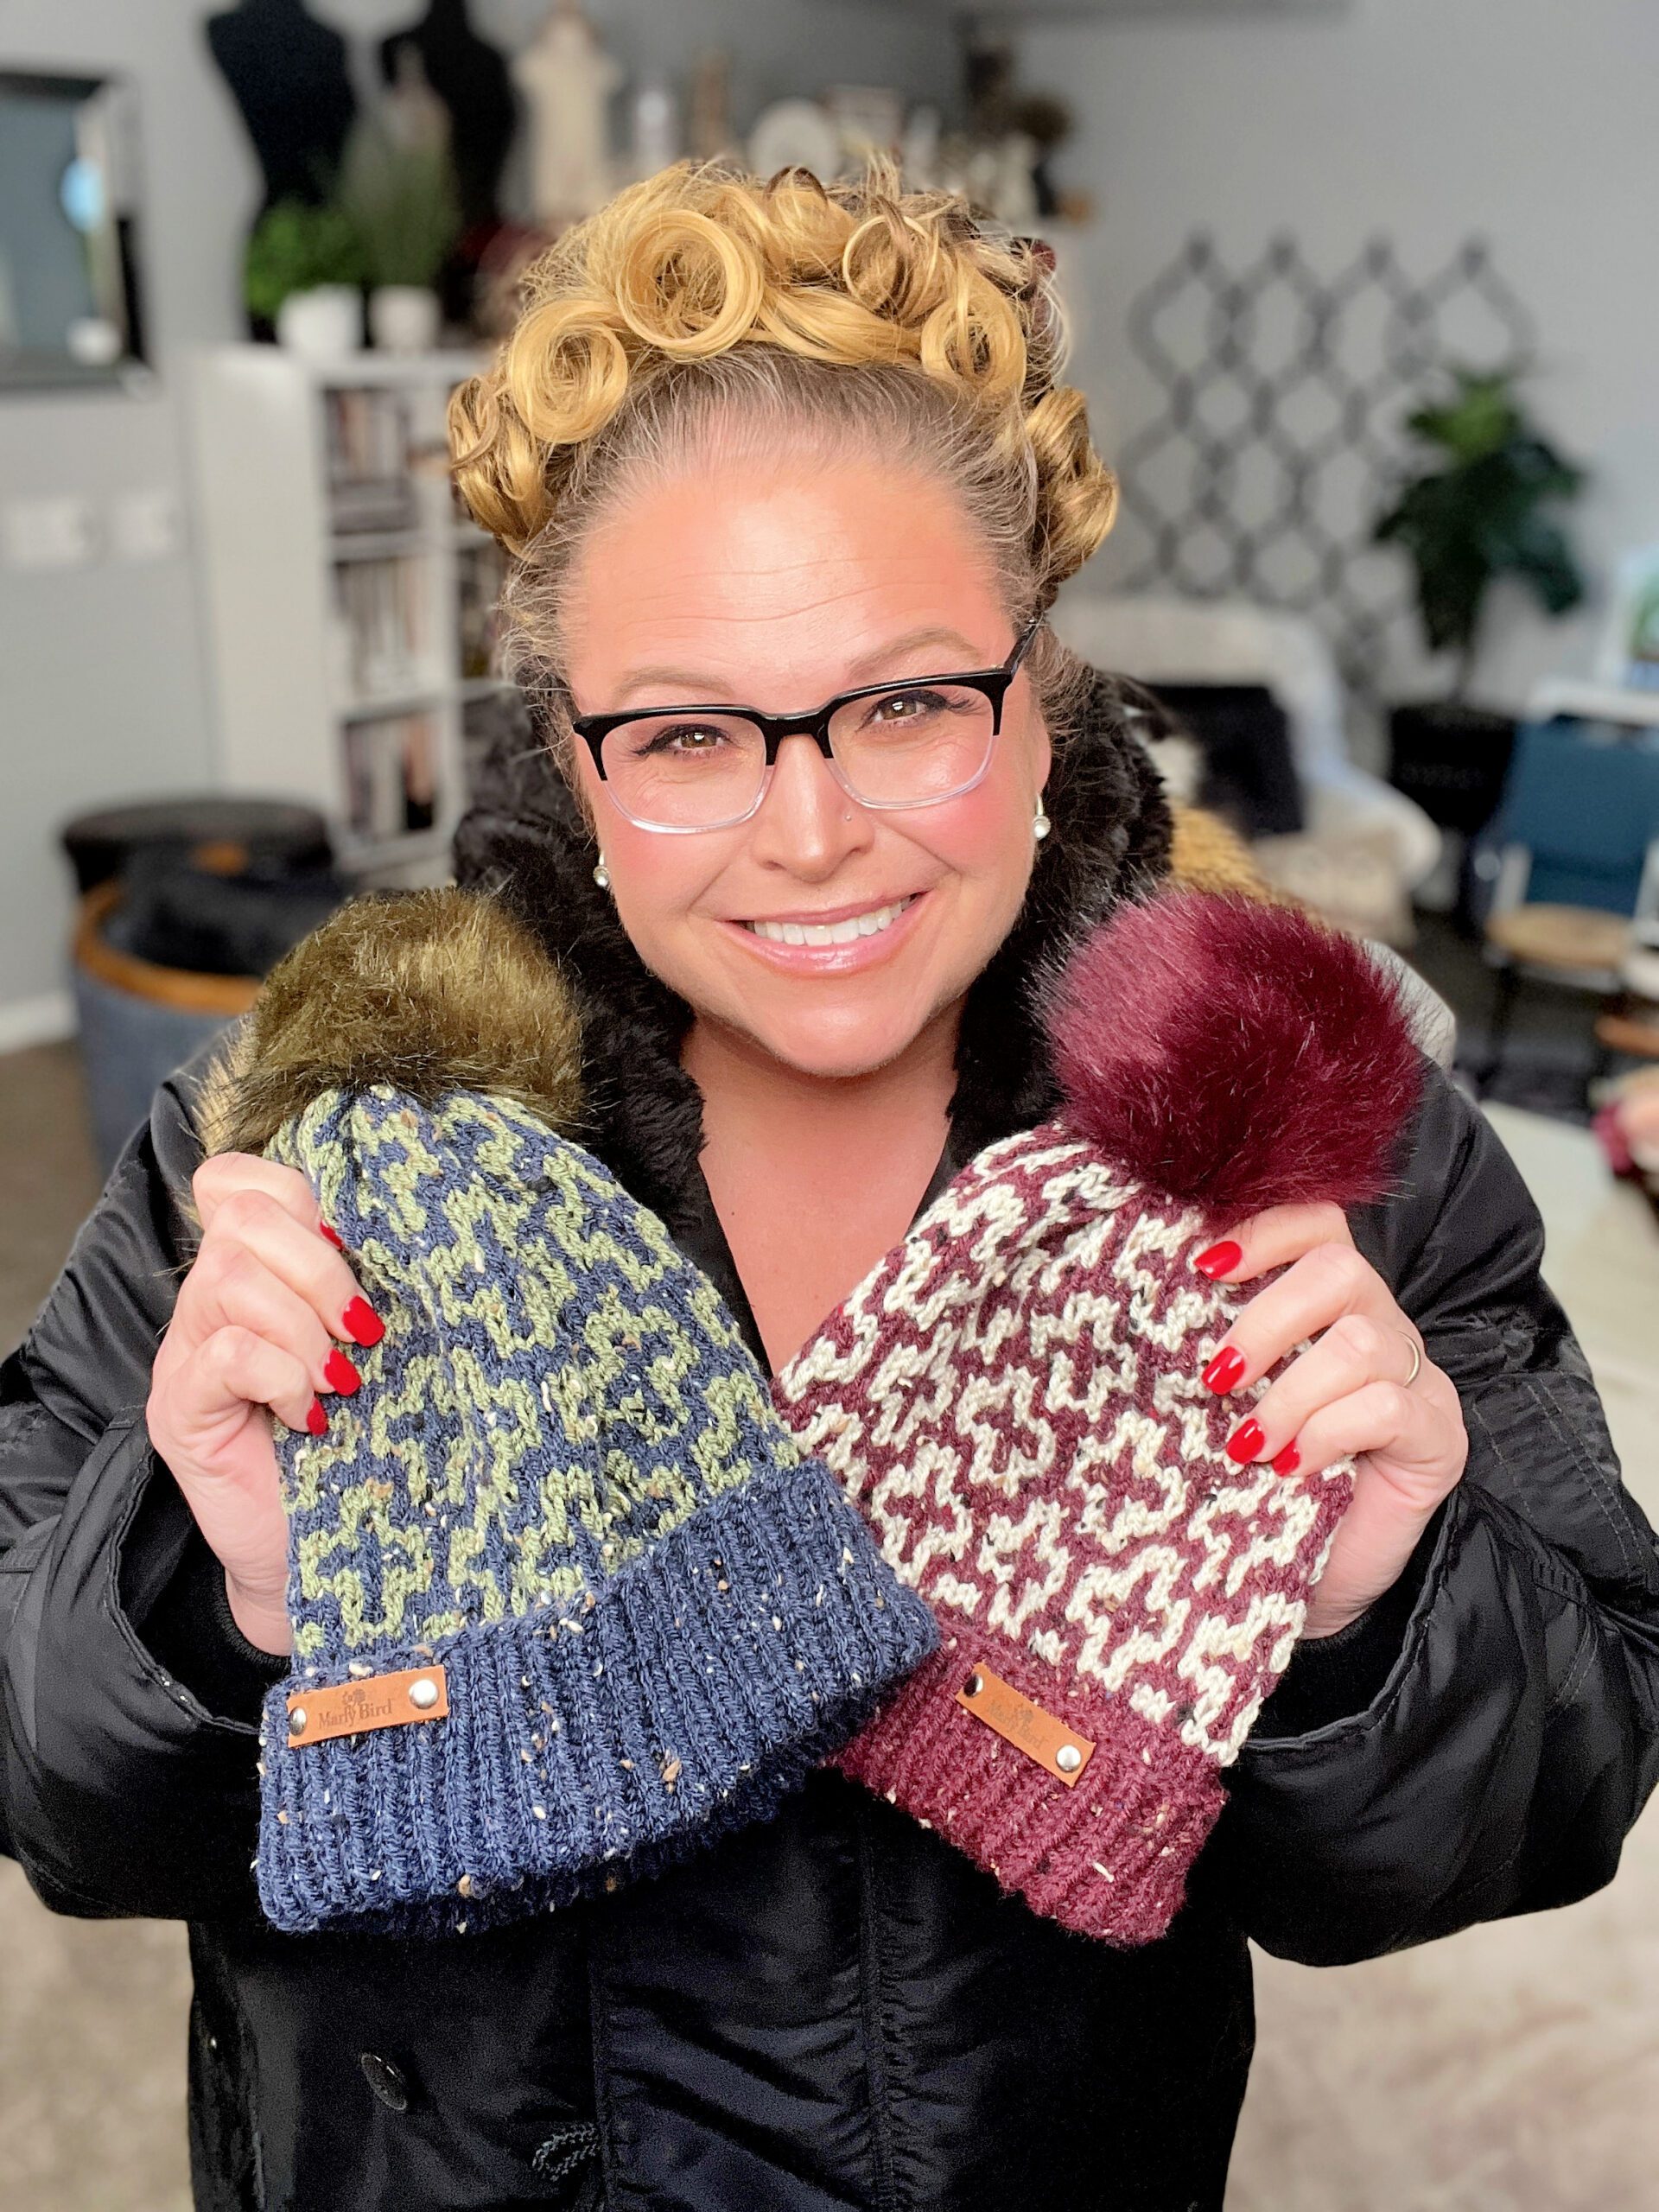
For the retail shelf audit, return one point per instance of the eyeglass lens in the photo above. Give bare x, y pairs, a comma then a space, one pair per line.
901, 748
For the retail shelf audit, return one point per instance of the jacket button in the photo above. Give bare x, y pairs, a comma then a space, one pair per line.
387, 2081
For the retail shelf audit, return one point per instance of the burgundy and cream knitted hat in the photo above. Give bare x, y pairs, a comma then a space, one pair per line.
1014, 1399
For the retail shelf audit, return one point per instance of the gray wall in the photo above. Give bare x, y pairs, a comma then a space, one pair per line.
1529, 121
103, 688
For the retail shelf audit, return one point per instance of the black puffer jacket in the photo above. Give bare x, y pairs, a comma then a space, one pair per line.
836, 2010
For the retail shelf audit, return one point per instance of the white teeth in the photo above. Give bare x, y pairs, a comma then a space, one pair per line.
847, 932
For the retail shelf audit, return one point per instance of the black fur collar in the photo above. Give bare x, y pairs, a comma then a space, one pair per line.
524, 839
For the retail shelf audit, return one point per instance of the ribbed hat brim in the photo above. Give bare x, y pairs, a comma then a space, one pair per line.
1106, 1855
705, 1681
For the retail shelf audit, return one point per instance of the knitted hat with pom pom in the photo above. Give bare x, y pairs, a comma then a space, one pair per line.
567, 1599
1014, 1398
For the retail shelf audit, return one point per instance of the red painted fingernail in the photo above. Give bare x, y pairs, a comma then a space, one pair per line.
1225, 1369
1244, 1443
316, 1420
1219, 1260
339, 1373
362, 1325
333, 1236
1289, 1460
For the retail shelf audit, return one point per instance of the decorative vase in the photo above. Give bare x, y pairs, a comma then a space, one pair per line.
404, 317
322, 323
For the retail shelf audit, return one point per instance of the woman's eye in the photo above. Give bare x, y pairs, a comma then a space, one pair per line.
904, 706
684, 737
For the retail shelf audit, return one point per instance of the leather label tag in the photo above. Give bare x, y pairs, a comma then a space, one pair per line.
376, 1701
1059, 1751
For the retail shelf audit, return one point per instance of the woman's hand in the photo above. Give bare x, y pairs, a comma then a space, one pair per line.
252, 1334
1347, 1393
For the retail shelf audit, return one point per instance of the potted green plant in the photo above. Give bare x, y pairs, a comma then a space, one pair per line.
1486, 508
304, 272
402, 197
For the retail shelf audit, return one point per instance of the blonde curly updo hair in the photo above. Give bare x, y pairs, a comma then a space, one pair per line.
849, 316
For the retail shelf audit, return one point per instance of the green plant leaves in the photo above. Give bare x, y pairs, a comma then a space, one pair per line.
293, 248
1481, 514
402, 200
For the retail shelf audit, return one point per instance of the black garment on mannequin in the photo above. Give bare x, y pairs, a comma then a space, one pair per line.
288, 74
470, 77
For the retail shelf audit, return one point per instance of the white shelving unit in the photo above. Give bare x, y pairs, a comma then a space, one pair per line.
347, 597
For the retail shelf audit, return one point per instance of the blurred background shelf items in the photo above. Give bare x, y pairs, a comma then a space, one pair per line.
324, 491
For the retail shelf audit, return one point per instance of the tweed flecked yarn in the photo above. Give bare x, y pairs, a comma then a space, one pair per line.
562, 1479
1014, 1398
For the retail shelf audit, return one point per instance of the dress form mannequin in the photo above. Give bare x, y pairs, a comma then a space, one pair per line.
288, 77
471, 78
567, 78
711, 107
411, 113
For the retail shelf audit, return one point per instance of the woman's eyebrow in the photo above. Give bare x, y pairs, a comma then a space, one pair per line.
697, 687
912, 641
691, 687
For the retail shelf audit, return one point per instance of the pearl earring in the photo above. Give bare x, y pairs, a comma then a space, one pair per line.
602, 874
1040, 824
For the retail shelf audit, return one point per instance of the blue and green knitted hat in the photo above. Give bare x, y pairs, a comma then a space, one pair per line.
567, 1601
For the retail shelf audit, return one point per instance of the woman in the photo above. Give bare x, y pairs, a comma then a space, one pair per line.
763, 447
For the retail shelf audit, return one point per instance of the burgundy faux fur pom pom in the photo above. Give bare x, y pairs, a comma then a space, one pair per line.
1234, 1055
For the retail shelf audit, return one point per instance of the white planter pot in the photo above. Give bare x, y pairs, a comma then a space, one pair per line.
322, 323
404, 317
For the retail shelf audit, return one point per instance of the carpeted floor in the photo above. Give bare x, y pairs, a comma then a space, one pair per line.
1513, 2069
91, 2012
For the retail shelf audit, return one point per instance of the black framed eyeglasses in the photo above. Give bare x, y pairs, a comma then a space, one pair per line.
904, 744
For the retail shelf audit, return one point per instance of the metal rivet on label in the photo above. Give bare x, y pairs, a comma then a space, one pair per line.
424, 1695
973, 1685
1068, 1759
296, 1721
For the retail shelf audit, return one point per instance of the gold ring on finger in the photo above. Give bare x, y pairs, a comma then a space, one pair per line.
1416, 1360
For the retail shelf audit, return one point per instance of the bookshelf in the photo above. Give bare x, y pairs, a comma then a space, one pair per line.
349, 604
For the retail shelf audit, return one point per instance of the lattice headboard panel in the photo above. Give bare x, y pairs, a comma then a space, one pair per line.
1278, 437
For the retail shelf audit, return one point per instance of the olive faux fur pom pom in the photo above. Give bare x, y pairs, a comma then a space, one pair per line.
1234, 1055
429, 991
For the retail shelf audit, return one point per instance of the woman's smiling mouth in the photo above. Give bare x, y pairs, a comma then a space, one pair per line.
853, 937
845, 930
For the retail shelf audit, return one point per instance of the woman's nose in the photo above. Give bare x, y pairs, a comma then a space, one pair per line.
806, 822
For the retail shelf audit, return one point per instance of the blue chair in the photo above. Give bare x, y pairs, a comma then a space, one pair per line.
1576, 841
